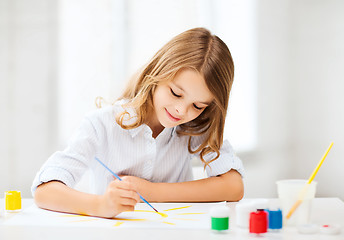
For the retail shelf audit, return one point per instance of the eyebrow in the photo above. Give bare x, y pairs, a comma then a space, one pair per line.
205, 103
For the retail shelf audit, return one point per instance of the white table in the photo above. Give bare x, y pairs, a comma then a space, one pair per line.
324, 211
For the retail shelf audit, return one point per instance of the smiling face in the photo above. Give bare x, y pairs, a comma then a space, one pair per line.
179, 101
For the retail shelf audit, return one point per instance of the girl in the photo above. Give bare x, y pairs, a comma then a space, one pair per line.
173, 111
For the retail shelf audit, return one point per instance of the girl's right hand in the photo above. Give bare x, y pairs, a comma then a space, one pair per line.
120, 196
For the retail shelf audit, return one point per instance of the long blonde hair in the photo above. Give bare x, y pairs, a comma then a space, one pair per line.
203, 52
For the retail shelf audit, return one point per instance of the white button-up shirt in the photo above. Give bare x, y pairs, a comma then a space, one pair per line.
131, 152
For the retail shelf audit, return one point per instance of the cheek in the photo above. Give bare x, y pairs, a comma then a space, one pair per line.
158, 97
166, 100
161, 95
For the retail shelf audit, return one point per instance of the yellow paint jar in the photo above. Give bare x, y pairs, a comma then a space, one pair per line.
13, 201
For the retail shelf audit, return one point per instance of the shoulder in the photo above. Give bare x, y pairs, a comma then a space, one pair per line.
102, 120
197, 140
106, 113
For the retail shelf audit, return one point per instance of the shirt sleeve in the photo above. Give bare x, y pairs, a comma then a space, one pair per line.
69, 165
226, 161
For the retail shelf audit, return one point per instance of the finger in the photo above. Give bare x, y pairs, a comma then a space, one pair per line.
128, 194
123, 208
123, 189
127, 201
120, 184
127, 186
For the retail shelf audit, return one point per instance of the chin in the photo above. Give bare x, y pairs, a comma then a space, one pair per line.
168, 124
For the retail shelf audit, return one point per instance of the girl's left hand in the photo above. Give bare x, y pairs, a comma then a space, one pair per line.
143, 186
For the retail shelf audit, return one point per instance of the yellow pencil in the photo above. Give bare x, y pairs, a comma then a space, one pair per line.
305, 188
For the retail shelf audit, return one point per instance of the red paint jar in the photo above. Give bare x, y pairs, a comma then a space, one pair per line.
259, 222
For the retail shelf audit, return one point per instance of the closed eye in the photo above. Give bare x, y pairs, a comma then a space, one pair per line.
178, 96
198, 108
174, 94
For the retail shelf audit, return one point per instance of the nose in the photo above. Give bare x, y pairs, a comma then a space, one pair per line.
181, 109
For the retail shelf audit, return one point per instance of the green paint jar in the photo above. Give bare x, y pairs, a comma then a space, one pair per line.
220, 218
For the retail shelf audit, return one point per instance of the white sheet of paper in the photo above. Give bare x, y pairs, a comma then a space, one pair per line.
173, 215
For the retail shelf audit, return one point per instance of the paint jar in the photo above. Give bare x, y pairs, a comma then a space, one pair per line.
289, 191
242, 211
220, 218
13, 201
258, 221
275, 219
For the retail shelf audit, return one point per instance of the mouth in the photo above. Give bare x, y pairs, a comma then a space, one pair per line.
174, 119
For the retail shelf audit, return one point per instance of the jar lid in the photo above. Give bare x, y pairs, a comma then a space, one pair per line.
331, 229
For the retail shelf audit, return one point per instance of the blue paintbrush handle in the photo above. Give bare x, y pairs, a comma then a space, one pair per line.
114, 174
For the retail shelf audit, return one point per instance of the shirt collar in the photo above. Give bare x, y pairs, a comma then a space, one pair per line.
134, 131
166, 134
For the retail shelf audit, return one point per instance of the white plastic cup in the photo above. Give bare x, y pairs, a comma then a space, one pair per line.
288, 192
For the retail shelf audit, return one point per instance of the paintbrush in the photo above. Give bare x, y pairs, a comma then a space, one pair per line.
305, 188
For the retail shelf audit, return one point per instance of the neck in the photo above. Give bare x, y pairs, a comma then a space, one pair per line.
156, 131
157, 128
154, 124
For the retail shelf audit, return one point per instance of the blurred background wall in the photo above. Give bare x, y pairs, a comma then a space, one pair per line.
57, 56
